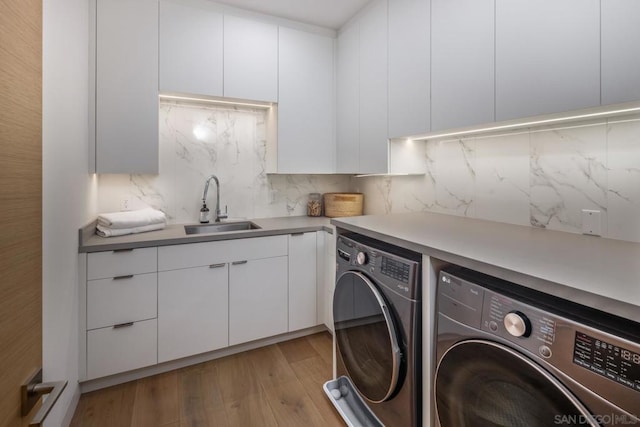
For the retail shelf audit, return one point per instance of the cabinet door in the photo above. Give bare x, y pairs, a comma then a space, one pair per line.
348, 100
462, 67
409, 62
306, 137
192, 311
190, 50
620, 53
547, 56
127, 86
373, 89
302, 281
257, 299
250, 59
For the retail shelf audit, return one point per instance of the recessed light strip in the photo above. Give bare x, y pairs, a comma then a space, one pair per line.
215, 101
527, 124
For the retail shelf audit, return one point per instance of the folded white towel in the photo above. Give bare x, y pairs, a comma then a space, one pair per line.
111, 232
132, 219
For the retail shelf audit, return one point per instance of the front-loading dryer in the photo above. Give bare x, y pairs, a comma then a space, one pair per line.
377, 317
510, 356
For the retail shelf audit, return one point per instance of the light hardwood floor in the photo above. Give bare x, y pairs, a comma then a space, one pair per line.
278, 385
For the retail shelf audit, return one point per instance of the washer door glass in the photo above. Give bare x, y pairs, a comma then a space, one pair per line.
482, 383
366, 336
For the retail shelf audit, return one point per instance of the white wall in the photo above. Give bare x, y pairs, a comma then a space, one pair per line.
69, 192
540, 177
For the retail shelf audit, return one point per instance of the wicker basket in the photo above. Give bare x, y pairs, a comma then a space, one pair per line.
343, 204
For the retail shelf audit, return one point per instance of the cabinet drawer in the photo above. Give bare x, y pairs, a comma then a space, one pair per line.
121, 299
101, 265
114, 350
201, 254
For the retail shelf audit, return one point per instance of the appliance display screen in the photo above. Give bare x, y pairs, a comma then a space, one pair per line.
396, 269
610, 361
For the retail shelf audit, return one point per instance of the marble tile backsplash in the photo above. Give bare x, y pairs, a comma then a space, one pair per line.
541, 177
199, 140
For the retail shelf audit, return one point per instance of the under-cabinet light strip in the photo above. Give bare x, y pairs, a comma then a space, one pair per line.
215, 101
526, 124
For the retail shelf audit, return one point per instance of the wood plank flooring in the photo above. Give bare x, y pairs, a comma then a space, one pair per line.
277, 385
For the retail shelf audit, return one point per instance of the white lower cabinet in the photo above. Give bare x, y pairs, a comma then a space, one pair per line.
192, 311
121, 310
121, 348
257, 299
147, 306
302, 281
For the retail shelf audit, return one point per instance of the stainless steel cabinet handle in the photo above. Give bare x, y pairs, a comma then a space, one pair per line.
239, 262
128, 276
217, 265
122, 325
115, 251
31, 393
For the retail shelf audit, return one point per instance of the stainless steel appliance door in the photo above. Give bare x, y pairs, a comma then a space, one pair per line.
482, 383
366, 336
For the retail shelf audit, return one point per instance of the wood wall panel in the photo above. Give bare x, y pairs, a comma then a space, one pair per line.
20, 200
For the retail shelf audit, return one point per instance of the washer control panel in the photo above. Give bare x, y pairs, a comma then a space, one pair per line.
609, 360
527, 326
497, 314
388, 269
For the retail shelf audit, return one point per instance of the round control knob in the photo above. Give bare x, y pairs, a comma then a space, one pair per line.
517, 324
493, 326
362, 258
545, 351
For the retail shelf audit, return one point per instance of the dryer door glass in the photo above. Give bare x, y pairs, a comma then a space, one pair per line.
481, 383
366, 336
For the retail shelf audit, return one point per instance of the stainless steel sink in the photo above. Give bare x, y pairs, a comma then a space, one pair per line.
220, 227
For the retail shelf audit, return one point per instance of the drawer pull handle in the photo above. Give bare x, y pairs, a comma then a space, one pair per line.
115, 251
128, 276
239, 262
297, 234
217, 265
122, 325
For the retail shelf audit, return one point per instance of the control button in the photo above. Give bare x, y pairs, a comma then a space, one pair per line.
517, 324
545, 351
362, 258
493, 326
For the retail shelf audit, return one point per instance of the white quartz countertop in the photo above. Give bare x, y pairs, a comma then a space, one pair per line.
175, 234
601, 273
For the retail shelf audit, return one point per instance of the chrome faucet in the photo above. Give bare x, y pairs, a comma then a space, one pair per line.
218, 214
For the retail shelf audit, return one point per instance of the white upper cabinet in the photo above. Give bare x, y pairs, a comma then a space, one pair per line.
620, 51
409, 63
250, 59
126, 95
190, 49
348, 100
547, 56
362, 98
373, 89
306, 132
462, 63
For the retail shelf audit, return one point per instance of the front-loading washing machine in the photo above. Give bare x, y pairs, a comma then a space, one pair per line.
511, 356
377, 317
